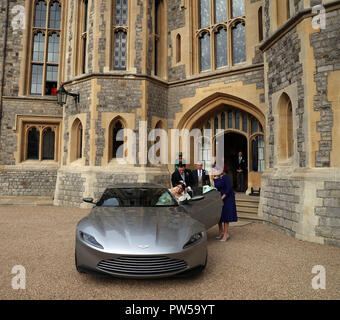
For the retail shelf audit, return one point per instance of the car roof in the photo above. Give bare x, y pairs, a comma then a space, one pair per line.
135, 185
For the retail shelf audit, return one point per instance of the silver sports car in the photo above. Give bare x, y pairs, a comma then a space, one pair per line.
140, 231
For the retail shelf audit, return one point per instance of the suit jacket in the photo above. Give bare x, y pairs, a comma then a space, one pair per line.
241, 165
205, 178
176, 178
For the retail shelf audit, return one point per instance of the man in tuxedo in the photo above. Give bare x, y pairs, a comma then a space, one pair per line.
241, 168
182, 174
200, 177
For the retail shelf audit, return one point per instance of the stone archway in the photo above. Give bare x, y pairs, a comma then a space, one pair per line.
230, 116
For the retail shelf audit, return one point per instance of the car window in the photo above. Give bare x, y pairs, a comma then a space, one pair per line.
136, 197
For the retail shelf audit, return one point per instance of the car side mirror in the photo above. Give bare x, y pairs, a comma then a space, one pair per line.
88, 200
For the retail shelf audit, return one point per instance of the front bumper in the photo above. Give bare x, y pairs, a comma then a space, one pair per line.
92, 260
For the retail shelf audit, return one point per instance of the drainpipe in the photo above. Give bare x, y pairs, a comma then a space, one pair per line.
2, 72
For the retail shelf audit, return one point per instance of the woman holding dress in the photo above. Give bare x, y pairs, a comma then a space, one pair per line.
229, 214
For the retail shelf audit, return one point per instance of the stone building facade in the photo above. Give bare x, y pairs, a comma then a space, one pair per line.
265, 73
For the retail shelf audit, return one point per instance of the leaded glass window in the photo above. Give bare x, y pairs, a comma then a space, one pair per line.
120, 50
245, 122
237, 120
48, 144
40, 14
121, 12
220, 38
44, 65
239, 43
221, 44
238, 8
120, 34
38, 47
36, 79
223, 121
220, 11
204, 13
205, 52
230, 119
53, 48
55, 16
33, 140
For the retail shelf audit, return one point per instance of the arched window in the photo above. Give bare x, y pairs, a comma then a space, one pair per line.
48, 144
285, 128
120, 34
260, 23
117, 140
120, 45
205, 52
178, 48
76, 140
220, 33
221, 43
160, 36
239, 43
33, 142
257, 154
46, 34
223, 120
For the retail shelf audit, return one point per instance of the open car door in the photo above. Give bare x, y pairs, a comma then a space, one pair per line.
207, 210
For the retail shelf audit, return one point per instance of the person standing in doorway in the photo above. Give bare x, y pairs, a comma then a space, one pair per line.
241, 167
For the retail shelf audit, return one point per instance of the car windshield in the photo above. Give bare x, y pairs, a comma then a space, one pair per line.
137, 197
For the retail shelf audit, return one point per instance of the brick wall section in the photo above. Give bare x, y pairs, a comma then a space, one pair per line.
329, 213
327, 56
28, 181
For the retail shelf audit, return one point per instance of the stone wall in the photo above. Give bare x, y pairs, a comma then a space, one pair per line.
327, 57
329, 213
28, 181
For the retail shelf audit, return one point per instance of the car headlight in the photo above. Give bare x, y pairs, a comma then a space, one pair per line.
90, 240
194, 238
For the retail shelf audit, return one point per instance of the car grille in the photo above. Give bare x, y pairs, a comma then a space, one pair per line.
139, 266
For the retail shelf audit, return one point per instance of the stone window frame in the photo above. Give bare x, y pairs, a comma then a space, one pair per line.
212, 29
30, 32
113, 122
285, 138
111, 29
77, 145
81, 46
41, 123
160, 67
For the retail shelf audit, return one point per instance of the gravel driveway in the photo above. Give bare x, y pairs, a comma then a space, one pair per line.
257, 263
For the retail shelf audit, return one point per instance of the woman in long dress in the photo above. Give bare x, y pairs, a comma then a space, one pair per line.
229, 214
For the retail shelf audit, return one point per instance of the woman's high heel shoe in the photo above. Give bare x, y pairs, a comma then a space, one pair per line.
226, 239
219, 237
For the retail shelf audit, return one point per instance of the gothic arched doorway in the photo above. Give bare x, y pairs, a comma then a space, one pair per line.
233, 144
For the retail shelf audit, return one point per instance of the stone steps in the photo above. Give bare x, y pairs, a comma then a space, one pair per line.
247, 207
26, 201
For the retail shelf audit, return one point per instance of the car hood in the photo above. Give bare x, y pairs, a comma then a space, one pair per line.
140, 230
